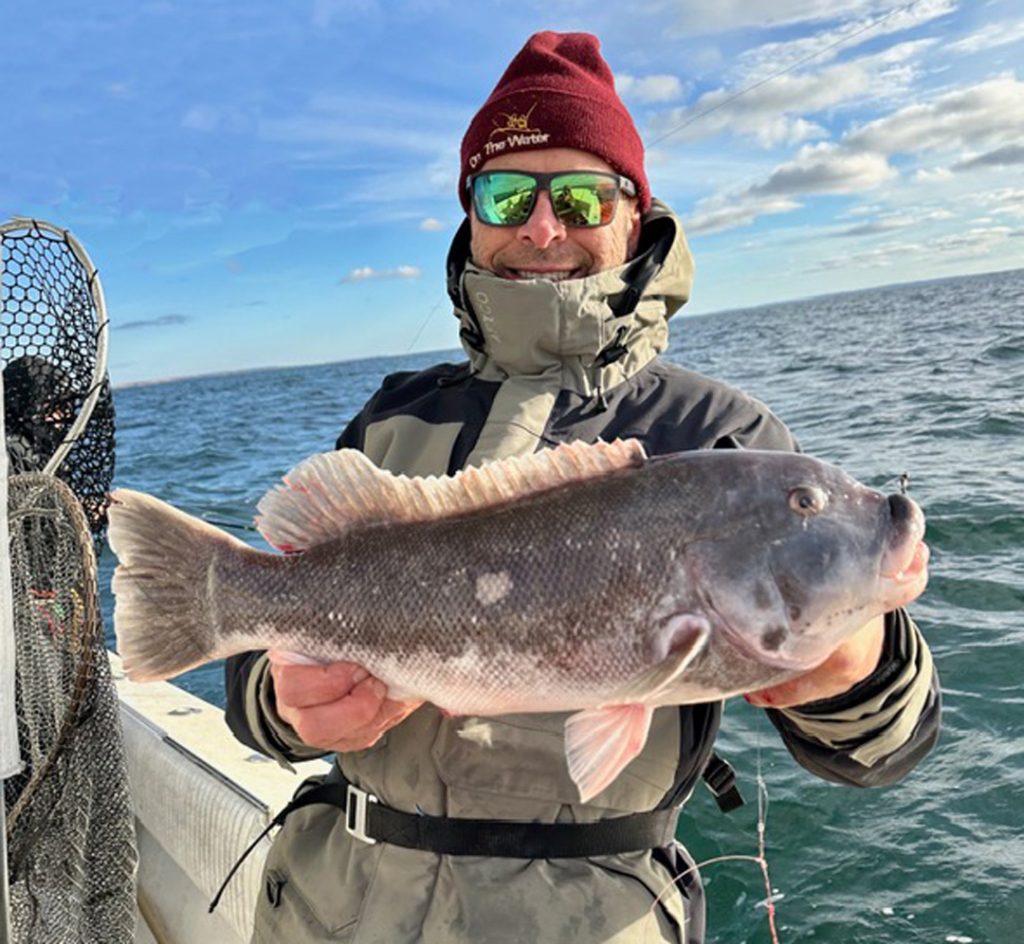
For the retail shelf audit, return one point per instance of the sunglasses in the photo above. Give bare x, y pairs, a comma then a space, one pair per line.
579, 198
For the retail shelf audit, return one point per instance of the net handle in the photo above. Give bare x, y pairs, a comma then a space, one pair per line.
102, 330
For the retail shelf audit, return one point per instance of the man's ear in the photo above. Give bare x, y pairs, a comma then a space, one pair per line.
636, 224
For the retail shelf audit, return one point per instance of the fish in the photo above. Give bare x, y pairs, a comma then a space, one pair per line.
587, 578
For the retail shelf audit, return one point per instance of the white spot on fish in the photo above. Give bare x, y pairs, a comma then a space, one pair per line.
479, 731
491, 588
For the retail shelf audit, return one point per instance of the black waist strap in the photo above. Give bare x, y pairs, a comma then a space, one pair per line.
370, 821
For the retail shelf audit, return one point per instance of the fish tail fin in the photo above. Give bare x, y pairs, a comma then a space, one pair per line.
163, 615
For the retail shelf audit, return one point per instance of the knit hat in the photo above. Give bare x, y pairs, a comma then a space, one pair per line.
557, 92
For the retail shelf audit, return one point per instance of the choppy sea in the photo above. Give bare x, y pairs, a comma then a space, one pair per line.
926, 378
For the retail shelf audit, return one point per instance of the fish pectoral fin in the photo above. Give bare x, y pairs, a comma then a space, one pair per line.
674, 644
599, 742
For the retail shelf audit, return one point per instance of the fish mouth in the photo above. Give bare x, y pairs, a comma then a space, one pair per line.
904, 566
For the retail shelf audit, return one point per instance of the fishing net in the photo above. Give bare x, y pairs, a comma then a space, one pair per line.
58, 411
69, 831
70, 834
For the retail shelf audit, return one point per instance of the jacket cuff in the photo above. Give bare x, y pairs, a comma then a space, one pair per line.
879, 715
276, 738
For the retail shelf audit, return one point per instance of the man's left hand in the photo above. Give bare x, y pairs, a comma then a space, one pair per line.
851, 663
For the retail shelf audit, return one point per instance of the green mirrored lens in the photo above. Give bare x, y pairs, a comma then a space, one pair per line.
579, 198
582, 199
504, 199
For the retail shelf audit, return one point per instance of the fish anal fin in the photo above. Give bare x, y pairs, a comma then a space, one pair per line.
600, 742
330, 493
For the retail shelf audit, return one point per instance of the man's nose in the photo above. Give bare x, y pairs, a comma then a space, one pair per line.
542, 228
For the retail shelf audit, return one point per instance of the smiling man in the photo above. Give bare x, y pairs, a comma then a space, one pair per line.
563, 278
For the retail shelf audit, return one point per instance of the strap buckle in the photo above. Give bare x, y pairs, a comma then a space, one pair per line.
720, 779
355, 813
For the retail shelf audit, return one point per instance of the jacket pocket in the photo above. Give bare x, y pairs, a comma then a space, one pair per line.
313, 884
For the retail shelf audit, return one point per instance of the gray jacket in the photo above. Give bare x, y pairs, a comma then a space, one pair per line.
548, 363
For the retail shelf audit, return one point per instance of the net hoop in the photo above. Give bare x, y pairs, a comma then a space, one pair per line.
22, 226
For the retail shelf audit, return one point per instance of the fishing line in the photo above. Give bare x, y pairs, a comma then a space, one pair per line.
781, 72
760, 859
222, 523
426, 321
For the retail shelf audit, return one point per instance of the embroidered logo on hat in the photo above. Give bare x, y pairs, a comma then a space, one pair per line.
517, 131
514, 122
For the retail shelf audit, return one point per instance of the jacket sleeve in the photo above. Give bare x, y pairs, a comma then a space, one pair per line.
250, 709
877, 732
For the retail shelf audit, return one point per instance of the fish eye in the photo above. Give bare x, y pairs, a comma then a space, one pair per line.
807, 500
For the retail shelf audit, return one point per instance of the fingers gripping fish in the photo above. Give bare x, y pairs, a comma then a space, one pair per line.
587, 578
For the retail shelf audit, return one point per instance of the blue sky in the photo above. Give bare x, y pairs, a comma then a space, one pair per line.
269, 183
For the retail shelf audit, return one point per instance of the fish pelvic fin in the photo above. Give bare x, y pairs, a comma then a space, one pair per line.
600, 742
328, 494
163, 615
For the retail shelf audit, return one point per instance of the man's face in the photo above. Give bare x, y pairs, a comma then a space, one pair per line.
544, 247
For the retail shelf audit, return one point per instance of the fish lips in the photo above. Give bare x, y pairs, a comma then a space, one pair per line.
903, 572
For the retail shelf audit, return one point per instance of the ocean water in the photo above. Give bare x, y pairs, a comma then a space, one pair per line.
926, 378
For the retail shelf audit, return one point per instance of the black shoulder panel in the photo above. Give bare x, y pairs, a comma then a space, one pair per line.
671, 409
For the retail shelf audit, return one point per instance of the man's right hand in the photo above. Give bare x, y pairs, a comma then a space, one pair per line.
336, 707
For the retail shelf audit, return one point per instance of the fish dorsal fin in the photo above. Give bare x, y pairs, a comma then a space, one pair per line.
330, 493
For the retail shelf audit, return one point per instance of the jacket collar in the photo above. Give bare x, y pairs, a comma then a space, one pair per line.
596, 331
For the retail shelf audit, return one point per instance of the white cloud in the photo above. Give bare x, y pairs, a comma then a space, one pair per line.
1004, 156
827, 45
972, 243
1005, 201
367, 273
932, 175
989, 37
650, 88
825, 168
775, 112
719, 213
987, 114
889, 221
699, 15
431, 225
879, 257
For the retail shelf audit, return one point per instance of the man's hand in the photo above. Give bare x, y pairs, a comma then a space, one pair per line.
336, 707
851, 663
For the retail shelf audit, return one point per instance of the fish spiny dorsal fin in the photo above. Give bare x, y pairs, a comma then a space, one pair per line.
330, 493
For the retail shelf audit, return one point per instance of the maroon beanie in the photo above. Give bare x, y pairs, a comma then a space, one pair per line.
557, 92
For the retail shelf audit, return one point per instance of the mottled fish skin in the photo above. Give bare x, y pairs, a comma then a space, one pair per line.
556, 602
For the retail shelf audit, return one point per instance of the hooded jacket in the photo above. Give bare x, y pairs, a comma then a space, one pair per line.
550, 362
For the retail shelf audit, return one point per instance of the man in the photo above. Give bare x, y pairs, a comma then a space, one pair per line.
563, 278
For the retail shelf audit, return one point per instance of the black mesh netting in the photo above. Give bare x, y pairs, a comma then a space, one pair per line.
70, 832
50, 332
69, 828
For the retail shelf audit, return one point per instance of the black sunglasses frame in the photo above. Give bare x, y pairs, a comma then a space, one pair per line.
542, 181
